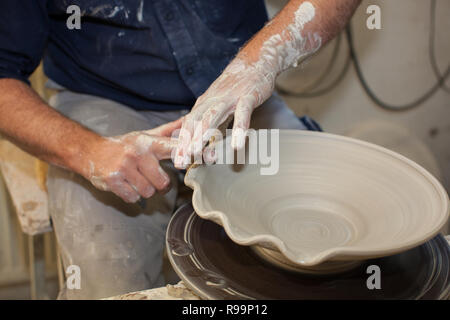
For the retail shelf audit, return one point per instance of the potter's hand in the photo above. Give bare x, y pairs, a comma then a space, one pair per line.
238, 91
296, 32
129, 166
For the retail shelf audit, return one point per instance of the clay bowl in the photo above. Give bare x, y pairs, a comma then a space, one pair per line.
333, 199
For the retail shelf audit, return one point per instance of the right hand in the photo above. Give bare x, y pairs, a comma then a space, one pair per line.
128, 165
237, 91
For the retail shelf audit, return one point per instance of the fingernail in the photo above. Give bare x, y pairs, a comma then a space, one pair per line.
178, 160
197, 147
186, 162
150, 191
166, 188
238, 139
135, 199
164, 175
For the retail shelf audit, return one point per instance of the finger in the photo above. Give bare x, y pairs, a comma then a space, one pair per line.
166, 129
150, 168
242, 117
139, 183
211, 119
202, 105
163, 147
182, 158
122, 189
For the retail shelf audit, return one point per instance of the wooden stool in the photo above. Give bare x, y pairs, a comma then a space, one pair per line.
25, 178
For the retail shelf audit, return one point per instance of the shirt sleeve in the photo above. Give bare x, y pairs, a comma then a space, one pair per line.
24, 29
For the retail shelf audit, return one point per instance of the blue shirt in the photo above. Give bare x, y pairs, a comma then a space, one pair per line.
147, 54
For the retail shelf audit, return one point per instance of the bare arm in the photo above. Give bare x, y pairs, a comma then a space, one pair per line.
299, 30
40, 130
328, 19
127, 165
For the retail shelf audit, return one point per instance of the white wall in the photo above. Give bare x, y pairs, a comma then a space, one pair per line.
396, 65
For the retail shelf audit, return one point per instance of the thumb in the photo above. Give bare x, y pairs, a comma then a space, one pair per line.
164, 146
166, 129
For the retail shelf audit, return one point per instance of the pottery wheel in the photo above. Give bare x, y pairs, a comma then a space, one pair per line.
215, 267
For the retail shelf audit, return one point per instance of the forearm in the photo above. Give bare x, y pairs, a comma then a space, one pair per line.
298, 30
40, 130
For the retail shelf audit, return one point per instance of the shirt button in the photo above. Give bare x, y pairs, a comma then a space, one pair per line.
169, 16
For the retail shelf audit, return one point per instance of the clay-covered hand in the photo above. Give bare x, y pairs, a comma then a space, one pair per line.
248, 80
237, 91
128, 165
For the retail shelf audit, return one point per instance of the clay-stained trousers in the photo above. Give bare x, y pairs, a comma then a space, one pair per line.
118, 247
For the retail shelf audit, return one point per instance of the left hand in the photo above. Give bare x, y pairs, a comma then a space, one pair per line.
238, 90
129, 165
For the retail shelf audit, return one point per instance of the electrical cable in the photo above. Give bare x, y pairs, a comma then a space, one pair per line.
328, 88
373, 96
432, 39
320, 79
352, 57
328, 68
331, 86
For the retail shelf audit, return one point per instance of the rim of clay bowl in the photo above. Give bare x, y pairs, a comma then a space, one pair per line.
335, 253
